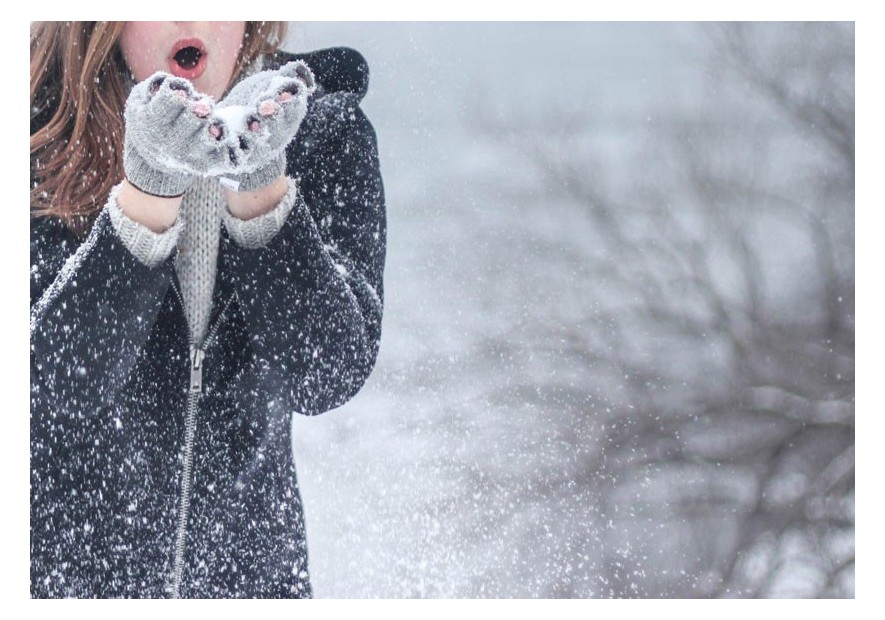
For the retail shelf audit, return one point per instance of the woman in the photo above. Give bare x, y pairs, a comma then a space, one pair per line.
207, 256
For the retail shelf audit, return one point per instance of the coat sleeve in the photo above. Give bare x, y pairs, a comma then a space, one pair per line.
93, 304
313, 295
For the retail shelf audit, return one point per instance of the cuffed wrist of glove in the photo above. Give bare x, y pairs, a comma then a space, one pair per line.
153, 181
263, 176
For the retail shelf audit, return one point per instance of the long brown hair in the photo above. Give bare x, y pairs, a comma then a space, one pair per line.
79, 85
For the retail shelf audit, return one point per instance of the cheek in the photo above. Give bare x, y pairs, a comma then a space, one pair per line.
229, 38
139, 47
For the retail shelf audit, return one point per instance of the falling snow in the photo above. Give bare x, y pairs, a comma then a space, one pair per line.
618, 351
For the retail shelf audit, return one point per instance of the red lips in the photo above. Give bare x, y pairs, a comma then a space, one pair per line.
187, 58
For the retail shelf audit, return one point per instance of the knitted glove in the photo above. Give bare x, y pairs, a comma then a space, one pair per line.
263, 113
172, 137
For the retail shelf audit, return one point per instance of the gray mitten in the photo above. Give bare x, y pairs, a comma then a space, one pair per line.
172, 136
261, 116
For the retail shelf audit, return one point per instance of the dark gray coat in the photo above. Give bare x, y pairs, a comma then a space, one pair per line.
150, 478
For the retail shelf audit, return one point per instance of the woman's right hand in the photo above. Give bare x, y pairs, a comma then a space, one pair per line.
172, 136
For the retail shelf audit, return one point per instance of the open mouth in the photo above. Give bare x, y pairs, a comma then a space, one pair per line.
188, 59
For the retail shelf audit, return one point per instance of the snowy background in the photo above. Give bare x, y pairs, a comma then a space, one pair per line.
618, 343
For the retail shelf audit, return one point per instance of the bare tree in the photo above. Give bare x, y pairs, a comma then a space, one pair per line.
725, 464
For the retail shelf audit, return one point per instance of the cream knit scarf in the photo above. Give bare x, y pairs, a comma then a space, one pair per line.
195, 234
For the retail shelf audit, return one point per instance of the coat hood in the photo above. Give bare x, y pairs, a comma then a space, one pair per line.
336, 69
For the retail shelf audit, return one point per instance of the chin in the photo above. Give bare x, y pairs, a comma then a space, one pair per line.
213, 91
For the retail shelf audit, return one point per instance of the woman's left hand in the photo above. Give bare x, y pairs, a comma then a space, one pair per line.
262, 115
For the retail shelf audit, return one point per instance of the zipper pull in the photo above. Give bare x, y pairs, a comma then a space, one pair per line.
196, 369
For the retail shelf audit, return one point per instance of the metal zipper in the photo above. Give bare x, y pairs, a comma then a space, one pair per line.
197, 357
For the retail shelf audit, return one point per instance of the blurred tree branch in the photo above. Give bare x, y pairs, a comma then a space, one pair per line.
762, 397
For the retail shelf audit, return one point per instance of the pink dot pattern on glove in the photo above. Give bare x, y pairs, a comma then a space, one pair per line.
266, 108
202, 109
